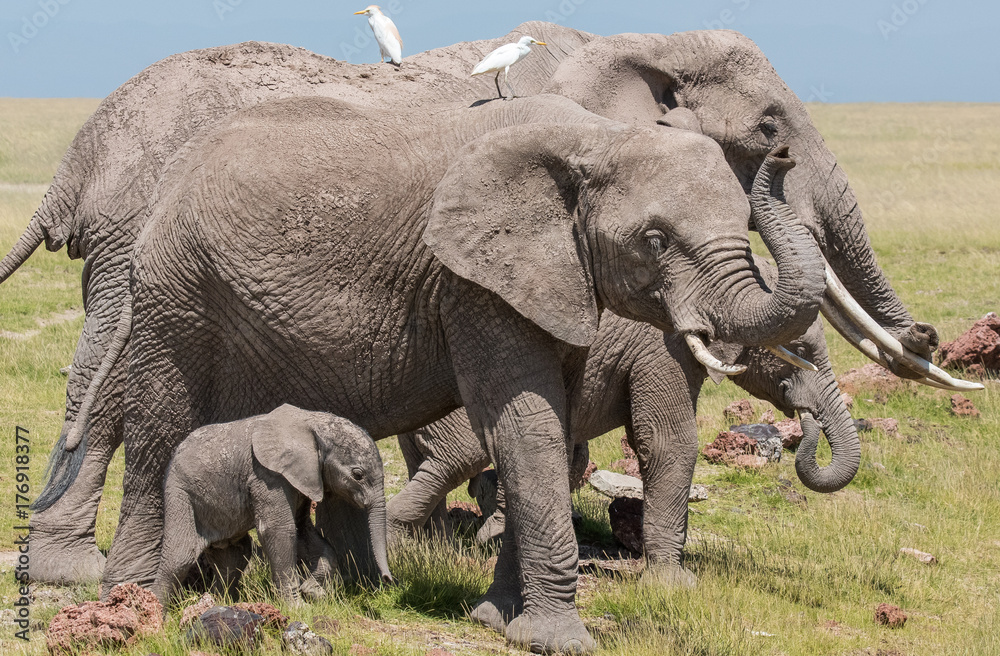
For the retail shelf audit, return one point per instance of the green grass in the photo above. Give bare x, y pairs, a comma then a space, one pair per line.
928, 178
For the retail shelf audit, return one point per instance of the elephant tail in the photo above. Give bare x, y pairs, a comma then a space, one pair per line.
30, 239
122, 333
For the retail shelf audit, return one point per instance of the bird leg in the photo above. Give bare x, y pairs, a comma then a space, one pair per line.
513, 94
496, 81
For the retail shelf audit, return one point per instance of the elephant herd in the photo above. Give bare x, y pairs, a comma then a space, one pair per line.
262, 226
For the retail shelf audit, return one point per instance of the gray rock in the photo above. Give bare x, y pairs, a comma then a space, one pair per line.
698, 493
614, 485
225, 626
65, 370
768, 439
619, 486
298, 639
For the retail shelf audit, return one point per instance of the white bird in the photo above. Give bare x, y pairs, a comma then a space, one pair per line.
390, 44
503, 58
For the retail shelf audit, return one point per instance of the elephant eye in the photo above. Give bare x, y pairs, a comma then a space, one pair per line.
357, 474
769, 128
657, 242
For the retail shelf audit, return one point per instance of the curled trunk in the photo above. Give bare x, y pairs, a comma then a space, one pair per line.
757, 316
836, 423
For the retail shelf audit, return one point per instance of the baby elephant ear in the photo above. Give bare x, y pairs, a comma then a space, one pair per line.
505, 217
284, 443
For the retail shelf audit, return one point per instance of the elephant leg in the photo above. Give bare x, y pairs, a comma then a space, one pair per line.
510, 377
228, 564
425, 494
502, 601
160, 412
181, 548
664, 434
439, 522
278, 538
63, 541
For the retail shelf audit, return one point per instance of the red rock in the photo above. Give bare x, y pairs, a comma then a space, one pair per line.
626, 522
887, 425
361, 650
963, 407
129, 612
872, 378
767, 417
727, 446
628, 466
741, 411
791, 432
626, 449
591, 468
272, 616
847, 400
194, 610
747, 461
977, 350
890, 616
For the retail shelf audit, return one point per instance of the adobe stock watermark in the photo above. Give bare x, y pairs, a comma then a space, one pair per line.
819, 94
727, 17
32, 24
562, 12
223, 7
901, 14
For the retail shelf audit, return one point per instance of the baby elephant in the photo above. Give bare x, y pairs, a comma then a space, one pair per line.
262, 472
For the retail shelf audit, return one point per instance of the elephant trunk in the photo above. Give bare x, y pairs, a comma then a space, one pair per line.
377, 530
835, 421
757, 316
30, 239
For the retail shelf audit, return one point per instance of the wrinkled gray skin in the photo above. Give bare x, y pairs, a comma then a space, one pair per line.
391, 266
720, 81
648, 382
262, 472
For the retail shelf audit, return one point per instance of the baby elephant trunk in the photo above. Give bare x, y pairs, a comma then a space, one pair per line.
377, 529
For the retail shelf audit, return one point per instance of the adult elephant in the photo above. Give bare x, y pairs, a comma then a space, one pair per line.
99, 198
720, 84
98, 203
278, 266
649, 382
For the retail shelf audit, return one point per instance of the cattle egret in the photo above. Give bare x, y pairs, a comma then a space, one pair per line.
503, 58
390, 44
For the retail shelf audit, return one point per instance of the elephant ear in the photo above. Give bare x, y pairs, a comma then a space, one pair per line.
284, 443
506, 217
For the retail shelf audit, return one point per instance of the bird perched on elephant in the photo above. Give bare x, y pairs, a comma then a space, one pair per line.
277, 267
715, 82
649, 382
262, 472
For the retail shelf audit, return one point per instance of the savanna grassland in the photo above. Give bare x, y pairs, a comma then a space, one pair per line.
776, 575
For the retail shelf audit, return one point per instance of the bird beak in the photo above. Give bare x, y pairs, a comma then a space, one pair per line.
540, 43
360, 12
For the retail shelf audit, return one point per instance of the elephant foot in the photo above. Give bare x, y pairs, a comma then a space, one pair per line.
669, 576
543, 633
61, 559
495, 610
492, 529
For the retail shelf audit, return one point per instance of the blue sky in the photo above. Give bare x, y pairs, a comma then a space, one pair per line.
845, 51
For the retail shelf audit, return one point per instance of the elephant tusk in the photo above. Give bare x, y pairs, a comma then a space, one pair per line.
851, 333
702, 355
792, 359
842, 299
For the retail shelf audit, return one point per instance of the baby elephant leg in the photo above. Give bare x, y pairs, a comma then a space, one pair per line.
227, 565
182, 545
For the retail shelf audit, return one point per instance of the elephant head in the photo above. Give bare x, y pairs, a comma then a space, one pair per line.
561, 221
329, 460
720, 84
